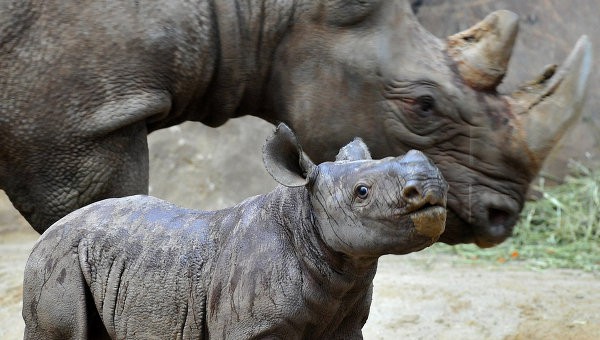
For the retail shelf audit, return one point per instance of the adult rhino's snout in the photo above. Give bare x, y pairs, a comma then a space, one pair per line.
424, 194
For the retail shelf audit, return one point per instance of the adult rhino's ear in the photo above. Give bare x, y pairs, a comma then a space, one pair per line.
354, 151
285, 160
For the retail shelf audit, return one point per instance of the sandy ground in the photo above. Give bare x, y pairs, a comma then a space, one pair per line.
418, 296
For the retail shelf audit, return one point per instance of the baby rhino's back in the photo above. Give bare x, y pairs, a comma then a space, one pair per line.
141, 259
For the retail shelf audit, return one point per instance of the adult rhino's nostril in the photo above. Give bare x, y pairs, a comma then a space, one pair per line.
498, 217
500, 223
499, 226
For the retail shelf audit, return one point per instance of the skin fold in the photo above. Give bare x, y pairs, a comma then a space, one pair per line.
83, 83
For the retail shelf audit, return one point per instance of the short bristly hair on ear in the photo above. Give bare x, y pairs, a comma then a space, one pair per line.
354, 151
285, 160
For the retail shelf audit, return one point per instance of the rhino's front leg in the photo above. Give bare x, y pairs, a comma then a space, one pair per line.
65, 175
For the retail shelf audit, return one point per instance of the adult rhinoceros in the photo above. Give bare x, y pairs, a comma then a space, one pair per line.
83, 83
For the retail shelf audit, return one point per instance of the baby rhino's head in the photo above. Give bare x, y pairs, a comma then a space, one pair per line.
364, 207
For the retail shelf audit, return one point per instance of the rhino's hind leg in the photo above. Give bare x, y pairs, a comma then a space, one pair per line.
57, 304
72, 173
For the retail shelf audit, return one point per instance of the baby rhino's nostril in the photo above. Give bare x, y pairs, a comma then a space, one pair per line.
412, 191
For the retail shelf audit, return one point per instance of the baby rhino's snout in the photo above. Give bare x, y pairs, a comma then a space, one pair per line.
424, 194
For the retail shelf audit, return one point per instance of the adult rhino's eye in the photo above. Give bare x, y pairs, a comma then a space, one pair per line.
362, 191
426, 104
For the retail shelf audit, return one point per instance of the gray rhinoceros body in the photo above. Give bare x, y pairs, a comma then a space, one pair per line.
82, 83
295, 263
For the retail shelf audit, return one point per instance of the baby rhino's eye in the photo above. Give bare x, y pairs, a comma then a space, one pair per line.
361, 191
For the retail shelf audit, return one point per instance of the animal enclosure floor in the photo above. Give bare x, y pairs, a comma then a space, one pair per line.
418, 296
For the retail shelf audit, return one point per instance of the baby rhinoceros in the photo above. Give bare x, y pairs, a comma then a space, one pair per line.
295, 263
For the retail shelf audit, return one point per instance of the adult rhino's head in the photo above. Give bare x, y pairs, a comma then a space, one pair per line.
369, 69
364, 208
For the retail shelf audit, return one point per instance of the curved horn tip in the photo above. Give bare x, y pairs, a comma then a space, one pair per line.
506, 17
557, 105
583, 47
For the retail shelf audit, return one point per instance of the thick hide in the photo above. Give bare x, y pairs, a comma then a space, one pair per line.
296, 263
82, 83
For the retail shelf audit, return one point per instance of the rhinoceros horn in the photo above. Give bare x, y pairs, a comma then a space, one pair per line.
482, 52
548, 106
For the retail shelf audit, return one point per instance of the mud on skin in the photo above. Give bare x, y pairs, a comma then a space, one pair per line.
295, 263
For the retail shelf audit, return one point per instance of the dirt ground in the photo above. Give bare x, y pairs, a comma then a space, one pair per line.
418, 296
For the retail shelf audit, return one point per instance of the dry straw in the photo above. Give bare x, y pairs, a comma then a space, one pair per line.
559, 230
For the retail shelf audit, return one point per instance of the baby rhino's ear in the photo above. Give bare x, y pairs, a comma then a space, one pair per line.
285, 160
354, 151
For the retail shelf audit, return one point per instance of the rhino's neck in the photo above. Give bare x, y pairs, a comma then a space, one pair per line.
333, 285
296, 215
247, 34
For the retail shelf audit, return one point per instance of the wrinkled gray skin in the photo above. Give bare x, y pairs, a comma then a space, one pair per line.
296, 263
82, 84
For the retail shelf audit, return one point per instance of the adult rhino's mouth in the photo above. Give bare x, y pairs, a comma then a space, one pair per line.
486, 223
457, 230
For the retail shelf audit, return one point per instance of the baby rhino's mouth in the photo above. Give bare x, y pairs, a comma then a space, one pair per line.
429, 220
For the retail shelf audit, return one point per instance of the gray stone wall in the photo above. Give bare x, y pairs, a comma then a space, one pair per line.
200, 167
